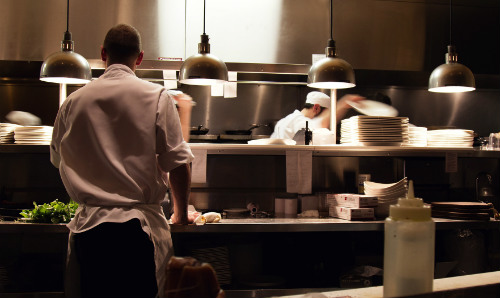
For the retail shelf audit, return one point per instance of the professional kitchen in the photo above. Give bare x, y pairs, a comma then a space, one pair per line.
397, 194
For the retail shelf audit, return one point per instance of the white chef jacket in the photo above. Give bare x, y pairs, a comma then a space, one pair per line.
287, 127
110, 140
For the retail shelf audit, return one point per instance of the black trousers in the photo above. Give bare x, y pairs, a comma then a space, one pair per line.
116, 260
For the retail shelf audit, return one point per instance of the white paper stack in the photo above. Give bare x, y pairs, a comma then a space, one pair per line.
7, 133
374, 131
387, 194
33, 135
450, 138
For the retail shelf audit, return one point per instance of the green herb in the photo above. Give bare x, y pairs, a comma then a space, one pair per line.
53, 212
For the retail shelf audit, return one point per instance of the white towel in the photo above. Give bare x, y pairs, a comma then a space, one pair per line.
299, 172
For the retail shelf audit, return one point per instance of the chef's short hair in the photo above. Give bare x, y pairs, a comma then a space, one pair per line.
122, 42
310, 106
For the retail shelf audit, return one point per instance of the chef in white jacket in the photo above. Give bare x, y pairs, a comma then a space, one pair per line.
114, 140
316, 112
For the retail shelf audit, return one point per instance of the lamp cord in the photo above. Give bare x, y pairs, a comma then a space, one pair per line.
331, 19
67, 16
204, 4
450, 20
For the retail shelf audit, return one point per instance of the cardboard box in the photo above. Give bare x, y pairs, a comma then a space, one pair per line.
352, 213
333, 199
352, 200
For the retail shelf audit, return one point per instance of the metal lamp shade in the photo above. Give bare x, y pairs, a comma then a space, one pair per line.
203, 69
66, 67
331, 73
451, 78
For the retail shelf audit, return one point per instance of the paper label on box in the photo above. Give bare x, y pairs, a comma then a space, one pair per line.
351, 200
352, 213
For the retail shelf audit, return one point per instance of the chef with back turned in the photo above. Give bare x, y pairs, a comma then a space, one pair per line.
114, 142
316, 112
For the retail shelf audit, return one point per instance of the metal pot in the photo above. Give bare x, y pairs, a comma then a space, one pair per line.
200, 130
243, 131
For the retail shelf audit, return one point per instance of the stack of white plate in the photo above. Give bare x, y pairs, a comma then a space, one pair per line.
7, 133
387, 194
450, 138
417, 136
373, 108
374, 131
33, 135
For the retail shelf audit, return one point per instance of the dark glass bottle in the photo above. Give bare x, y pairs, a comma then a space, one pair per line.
308, 135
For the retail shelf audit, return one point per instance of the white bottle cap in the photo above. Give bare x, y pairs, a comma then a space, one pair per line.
410, 208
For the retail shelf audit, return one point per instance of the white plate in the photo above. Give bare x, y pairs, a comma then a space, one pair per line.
379, 118
450, 146
376, 185
389, 144
386, 194
451, 131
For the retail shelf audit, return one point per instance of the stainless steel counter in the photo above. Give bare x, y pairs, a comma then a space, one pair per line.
287, 225
483, 285
267, 225
25, 239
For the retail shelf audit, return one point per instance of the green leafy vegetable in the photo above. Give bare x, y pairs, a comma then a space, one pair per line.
53, 212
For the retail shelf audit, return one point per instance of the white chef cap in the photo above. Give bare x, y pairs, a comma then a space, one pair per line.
315, 97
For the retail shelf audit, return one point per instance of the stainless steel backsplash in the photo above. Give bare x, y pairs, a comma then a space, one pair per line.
370, 34
387, 42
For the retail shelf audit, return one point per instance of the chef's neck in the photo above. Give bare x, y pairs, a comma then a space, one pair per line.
308, 113
312, 111
132, 63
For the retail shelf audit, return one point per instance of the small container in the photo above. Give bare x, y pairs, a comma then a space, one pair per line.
279, 207
409, 248
253, 207
322, 204
323, 136
290, 208
494, 141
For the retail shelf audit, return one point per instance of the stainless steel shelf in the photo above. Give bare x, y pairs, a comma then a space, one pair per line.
14, 148
344, 151
10, 227
270, 68
336, 150
268, 225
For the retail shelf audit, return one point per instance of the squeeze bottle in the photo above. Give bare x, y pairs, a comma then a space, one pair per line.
409, 248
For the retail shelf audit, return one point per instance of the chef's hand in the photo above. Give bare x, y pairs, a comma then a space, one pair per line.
184, 107
184, 220
184, 101
343, 106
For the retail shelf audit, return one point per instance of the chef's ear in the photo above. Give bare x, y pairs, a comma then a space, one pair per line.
104, 55
139, 58
316, 109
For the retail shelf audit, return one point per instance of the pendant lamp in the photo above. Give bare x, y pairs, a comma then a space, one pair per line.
66, 66
203, 68
452, 76
331, 72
